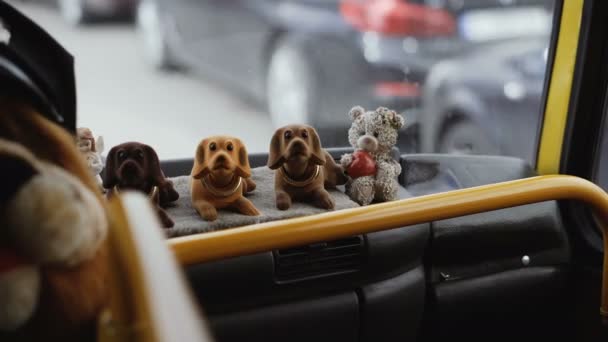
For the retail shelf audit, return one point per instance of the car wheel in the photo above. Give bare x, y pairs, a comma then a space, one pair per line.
290, 85
464, 137
74, 12
153, 36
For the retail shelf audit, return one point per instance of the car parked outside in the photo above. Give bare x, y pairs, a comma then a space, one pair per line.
310, 61
78, 12
486, 101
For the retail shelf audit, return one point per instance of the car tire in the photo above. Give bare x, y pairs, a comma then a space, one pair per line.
291, 81
465, 137
153, 36
310, 77
74, 12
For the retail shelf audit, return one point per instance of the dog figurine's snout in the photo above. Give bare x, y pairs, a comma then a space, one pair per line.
221, 160
297, 146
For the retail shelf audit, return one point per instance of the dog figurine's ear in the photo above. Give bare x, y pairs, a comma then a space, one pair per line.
201, 163
110, 179
318, 156
155, 174
157, 177
275, 155
242, 168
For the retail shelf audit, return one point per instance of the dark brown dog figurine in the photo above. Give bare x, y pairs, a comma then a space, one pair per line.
304, 170
135, 166
220, 177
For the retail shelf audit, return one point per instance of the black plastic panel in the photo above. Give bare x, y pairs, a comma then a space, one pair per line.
249, 281
490, 242
514, 305
329, 318
392, 310
494, 275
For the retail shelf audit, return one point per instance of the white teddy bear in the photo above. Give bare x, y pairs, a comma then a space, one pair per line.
373, 170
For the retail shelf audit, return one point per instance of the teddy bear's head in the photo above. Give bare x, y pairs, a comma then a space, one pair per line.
374, 131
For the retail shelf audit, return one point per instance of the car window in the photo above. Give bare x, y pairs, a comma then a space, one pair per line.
466, 75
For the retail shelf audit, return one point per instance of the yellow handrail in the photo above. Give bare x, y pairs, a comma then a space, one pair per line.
333, 225
150, 298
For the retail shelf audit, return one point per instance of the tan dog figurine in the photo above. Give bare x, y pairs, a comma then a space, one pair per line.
304, 170
220, 177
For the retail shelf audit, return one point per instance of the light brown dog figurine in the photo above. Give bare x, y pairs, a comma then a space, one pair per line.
304, 170
220, 177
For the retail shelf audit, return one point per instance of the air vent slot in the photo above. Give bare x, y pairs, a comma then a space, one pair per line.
319, 260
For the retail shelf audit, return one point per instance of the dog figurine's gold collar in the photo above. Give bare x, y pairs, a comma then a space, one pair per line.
153, 194
303, 183
225, 191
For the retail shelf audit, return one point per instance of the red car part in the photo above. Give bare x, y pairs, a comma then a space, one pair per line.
398, 18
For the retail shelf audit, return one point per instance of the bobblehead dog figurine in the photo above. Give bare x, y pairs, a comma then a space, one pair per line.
372, 169
135, 166
91, 148
221, 175
304, 170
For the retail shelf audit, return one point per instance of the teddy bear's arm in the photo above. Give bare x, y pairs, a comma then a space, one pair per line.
388, 168
397, 167
346, 160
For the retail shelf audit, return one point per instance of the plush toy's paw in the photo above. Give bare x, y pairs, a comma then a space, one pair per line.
283, 200
19, 291
388, 170
346, 160
246, 207
324, 200
386, 190
361, 190
206, 210
55, 219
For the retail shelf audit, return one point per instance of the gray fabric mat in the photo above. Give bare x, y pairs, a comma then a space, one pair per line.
187, 220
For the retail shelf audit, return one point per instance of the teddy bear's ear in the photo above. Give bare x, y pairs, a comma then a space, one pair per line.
356, 112
397, 121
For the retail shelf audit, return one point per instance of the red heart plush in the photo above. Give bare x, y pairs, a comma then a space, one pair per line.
363, 165
9, 260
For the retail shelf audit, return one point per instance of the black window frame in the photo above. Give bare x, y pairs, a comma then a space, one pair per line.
588, 104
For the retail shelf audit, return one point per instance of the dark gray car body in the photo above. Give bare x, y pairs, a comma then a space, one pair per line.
498, 87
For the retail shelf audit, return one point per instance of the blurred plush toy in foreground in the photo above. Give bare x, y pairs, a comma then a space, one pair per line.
91, 148
52, 257
372, 169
